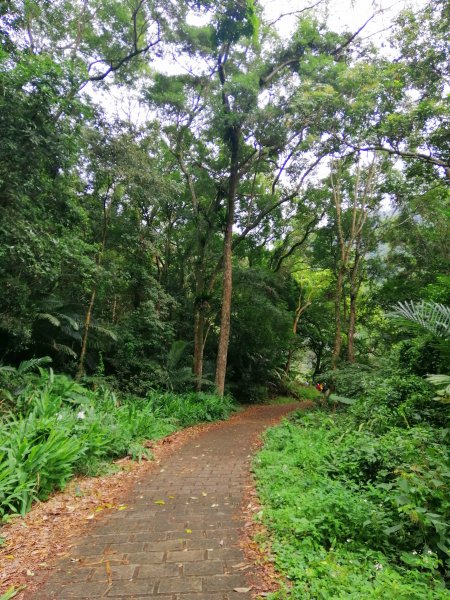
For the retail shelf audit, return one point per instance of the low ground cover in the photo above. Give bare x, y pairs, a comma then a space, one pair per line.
59, 428
357, 508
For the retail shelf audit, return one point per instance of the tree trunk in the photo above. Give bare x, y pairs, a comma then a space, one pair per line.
86, 326
355, 284
337, 319
351, 329
224, 337
88, 317
318, 361
298, 313
199, 328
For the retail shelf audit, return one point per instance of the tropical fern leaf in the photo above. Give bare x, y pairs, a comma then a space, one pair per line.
64, 350
70, 321
50, 318
104, 331
175, 354
34, 363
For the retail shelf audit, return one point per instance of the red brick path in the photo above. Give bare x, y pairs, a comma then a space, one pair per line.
178, 538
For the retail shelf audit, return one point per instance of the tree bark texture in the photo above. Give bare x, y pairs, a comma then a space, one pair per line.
225, 319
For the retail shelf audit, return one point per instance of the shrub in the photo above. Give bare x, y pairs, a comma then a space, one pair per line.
61, 428
356, 513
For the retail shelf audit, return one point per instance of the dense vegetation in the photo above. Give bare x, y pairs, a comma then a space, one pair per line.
265, 208
60, 428
356, 510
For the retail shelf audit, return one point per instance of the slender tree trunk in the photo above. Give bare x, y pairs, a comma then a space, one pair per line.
355, 284
298, 313
199, 329
337, 319
88, 317
318, 362
224, 337
86, 326
351, 329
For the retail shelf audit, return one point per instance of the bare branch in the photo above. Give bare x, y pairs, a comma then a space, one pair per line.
353, 36
295, 12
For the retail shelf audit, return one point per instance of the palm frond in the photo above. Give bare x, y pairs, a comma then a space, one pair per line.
429, 316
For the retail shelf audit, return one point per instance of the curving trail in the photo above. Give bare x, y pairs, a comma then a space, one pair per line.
178, 537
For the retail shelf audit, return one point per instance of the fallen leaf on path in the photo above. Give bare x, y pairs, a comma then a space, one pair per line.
241, 565
242, 590
159, 502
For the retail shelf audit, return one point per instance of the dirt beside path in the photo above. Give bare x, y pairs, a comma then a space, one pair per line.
176, 533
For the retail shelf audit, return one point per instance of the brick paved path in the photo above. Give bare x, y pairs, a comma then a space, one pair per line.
178, 537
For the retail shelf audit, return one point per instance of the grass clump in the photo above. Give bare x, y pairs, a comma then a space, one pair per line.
357, 513
60, 428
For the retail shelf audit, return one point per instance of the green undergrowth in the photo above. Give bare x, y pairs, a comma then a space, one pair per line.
59, 428
356, 513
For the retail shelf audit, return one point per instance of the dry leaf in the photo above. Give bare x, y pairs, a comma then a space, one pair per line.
159, 502
242, 590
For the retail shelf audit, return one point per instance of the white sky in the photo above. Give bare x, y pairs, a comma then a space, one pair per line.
344, 14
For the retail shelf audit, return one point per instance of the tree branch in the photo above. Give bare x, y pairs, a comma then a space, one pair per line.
295, 12
404, 154
310, 226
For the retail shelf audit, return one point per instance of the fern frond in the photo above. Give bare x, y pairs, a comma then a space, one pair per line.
64, 349
50, 318
104, 331
28, 365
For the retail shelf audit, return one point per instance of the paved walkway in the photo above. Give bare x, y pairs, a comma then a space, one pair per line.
178, 537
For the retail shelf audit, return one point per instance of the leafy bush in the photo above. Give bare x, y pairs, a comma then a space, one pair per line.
350, 380
60, 428
400, 400
356, 513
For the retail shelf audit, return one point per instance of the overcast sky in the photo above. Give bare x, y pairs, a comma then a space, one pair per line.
343, 14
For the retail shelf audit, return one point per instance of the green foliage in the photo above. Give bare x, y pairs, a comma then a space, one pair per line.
261, 328
431, 316
355, 513
60, 428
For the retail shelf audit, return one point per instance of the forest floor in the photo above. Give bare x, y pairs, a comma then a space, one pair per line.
176, 528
